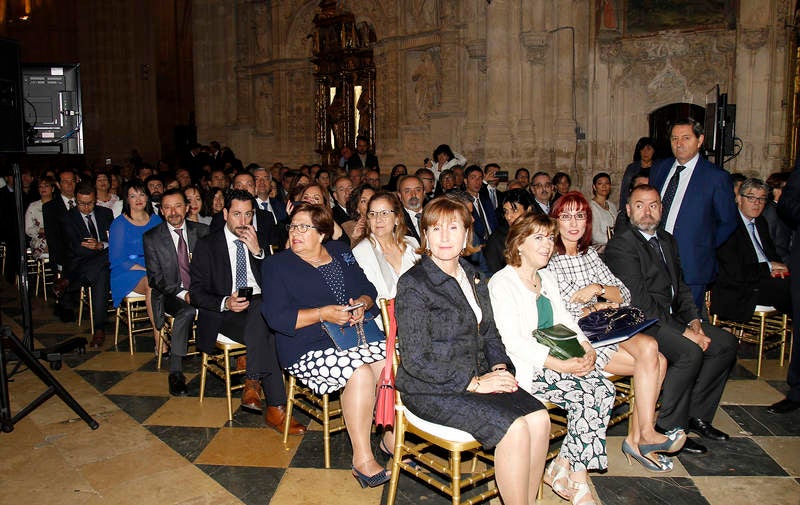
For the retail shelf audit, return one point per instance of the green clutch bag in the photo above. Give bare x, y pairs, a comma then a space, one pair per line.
562, 341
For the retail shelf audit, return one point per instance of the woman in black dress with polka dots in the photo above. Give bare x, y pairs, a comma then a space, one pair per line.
311, 282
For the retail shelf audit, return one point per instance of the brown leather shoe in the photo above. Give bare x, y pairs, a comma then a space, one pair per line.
251, 396
99, 338
241, 362
276, 417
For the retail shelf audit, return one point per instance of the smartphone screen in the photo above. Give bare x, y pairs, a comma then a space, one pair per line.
246, 293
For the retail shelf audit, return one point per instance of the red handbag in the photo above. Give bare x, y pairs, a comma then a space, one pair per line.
384, 405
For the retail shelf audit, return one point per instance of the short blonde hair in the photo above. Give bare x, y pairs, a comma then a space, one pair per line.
523, 228
439, 209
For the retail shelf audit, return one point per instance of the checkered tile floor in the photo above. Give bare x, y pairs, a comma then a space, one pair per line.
153, 448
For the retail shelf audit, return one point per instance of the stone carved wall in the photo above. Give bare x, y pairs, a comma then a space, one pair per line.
495, 81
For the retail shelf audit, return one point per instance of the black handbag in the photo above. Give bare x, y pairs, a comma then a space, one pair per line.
348, 337
610, 326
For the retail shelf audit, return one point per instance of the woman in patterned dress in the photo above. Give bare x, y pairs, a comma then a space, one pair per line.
586, 284
315, 280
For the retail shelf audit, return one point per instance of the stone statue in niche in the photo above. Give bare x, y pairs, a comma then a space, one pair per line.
261, 28
427, 85
364, 106
337, 119
264, 105
423, 13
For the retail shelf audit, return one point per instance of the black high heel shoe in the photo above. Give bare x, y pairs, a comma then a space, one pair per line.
389, 454
376, 480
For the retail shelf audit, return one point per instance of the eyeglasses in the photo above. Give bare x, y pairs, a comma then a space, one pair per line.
84, 204
579, 216
375, 214
542, 186
300, 228
755, 199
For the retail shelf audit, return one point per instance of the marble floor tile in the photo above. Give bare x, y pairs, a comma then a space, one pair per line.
116, 361
770, 369
784, 450
722, 421
102, 380
749, 490
187, 441
188, 411
750, 393
741, 372
143, 383
251, 485
215, 387
734, 457
758, 421
653, 491
138, 407
330, 487
249, 447
310, 453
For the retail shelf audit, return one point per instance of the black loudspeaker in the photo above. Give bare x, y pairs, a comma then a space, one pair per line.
12, 132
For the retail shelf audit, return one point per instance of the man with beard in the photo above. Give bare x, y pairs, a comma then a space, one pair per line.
411, 192
155, 188
223, 264
167, 251
701, 356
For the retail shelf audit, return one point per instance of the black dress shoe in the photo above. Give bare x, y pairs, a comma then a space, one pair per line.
705, 430
177, 384
691, 446
783, 407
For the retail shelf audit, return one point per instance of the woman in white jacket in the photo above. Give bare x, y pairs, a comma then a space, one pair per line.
526, 297
386, 252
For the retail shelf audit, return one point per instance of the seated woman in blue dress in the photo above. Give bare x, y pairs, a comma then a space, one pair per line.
315, 280
454, 369
125, 247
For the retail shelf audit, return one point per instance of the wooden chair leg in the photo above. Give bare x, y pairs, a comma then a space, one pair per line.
91, 311
203, 368
81, 296
228, 384
761, 330
326, 429
289, 407
455, 475
129, 309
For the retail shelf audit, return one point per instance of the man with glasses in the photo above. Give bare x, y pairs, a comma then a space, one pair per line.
225, 266
428, 183
342, 187
645, 258
542, 189
86, 232
750, 271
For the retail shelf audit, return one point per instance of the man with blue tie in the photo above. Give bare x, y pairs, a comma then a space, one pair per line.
698, 205
223, 264
750, 271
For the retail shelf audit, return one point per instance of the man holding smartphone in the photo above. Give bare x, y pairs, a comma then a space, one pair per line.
225, 271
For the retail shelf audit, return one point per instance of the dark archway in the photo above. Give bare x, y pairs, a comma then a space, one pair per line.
661, 118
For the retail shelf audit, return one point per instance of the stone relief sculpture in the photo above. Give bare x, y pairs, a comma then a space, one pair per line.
264, 105
427, 85
337, 119
364, 106
261, 29
423, 13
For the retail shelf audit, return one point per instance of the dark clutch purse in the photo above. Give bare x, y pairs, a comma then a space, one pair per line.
347, 337
562, 341
610, 326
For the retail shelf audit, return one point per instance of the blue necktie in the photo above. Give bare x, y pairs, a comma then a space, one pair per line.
762, 256
672, 189
241, 264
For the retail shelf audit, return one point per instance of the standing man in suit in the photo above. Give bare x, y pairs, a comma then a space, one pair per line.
699, 205
53, 213
223, 263
273, 206
263, 222
86, 232
700, 356
490, 181
167, 252
363, 157
750, 271
412, 193
483, 210
789, 211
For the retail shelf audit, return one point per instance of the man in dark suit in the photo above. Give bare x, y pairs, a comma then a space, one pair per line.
490, 181
223, 263
750, 271
483, 210
53, 213
342, 187
789, 211
363, 157
86, 233
273, 206
411, 192
699, 207
542, 190
700, 356
263, 222
167, 250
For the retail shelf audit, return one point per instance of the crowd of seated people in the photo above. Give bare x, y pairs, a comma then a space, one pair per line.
264, 256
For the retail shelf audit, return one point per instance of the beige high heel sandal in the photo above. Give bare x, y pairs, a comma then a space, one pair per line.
582, 493
557, 477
